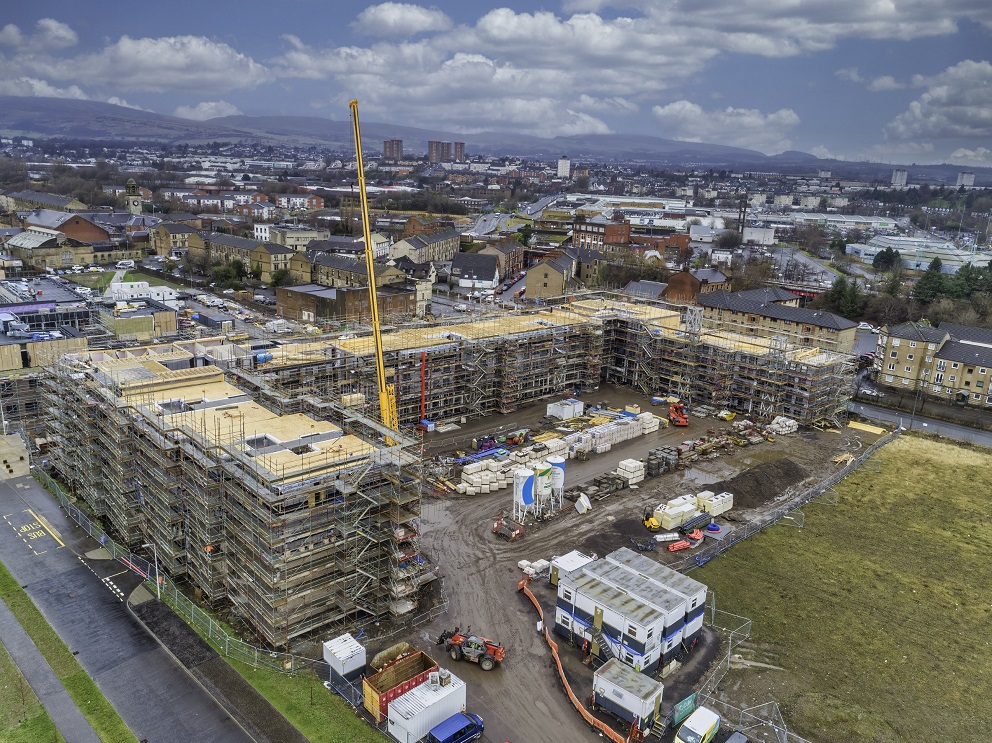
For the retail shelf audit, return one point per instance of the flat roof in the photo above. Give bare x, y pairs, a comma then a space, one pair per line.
639, 587
627, 606
633, 682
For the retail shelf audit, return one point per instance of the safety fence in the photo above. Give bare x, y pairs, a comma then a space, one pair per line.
205, 624
749, 529
599, 725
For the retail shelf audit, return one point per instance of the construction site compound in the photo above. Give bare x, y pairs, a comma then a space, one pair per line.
262, 478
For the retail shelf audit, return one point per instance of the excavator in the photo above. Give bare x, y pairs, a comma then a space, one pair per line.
677, 415
474, 648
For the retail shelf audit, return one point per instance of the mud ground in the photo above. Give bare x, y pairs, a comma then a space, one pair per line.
523, 701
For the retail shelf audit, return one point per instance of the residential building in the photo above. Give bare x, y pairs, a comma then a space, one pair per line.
265, 258
292, 522
685, 286
552, 277
436, 246
313, 303
474, 271
334, 270
951, 362
438, 152
173, 239
796, 325
297, 238
966, 180
392, 150
510, 255
899, 178
564, 167
297, 201
459, 153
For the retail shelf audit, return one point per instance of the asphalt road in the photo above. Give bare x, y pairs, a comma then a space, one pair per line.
83, 600
921, 423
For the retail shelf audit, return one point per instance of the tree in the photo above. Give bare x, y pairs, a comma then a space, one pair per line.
931, 285
728, 239
851, 303
525, 233
280, 277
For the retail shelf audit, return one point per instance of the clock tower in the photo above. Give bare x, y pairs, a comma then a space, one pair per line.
132, 199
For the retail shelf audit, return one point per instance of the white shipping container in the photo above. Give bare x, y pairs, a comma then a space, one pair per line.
345, 655
412, 715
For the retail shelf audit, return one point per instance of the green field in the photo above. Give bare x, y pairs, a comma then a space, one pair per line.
878, 611
22, 718
84, 692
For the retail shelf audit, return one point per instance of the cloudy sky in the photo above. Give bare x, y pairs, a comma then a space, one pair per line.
890, 80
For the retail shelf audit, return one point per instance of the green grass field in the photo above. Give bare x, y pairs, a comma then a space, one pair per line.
22, 718
84, 692
878, 611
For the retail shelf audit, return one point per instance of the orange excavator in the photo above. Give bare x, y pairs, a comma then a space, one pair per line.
677, 415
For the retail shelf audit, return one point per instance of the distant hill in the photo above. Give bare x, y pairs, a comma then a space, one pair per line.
90, 120
55, 118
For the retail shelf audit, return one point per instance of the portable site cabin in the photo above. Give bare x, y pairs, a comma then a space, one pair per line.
691, 590
567, 564
616, 624
412, 715
345, 656
395, 679
667, 603
627, 694
629, 607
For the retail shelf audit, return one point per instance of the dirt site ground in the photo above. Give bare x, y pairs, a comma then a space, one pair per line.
523, 701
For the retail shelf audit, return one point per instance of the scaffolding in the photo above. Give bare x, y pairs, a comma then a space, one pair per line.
292, 521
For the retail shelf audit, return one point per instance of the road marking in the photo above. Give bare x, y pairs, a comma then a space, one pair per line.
51, 529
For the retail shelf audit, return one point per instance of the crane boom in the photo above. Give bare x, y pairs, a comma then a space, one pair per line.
387, 395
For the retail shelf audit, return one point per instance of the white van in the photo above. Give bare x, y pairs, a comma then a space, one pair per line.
124, 264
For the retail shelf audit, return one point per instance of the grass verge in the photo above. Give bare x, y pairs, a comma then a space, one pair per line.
83, 690
22, 717
877, 611
320, 715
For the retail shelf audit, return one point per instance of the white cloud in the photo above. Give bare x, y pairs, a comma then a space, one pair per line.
207, 110
52, 34
11, 35
30, 86
957, 103
741, 127
824, 153
611, 104
400, 19
978, 156
850, 73
49, 35
883, 83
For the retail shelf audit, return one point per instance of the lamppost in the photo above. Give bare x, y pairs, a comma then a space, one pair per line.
158, 586
921, 386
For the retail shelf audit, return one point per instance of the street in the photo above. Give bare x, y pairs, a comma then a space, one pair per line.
83, 598
922, 423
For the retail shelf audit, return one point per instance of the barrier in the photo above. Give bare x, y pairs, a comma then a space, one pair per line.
599, 725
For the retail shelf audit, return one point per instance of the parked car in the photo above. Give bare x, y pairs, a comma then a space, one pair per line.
869, 392
866, 326
461, 308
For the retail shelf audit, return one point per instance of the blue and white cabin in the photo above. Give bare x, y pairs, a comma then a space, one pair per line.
589, 609
691, 590
666, 602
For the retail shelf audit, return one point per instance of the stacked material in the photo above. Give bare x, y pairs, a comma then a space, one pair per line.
649, 423
714, 503
565, 409
783, 425
676, 512
582, 504
631, 470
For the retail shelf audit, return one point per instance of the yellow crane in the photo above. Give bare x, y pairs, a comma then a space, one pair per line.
387, 395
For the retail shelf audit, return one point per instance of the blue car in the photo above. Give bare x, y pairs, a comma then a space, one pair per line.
459, 728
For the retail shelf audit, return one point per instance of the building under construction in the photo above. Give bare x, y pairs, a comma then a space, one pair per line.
475, 368
294, 521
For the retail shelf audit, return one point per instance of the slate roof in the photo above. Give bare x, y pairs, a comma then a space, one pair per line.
220, 238
731, 301
647, 289
51, 219
709, 275
177, 229
336, 260
768, 294
475, 266
982, 336
917, 332
966, 353
39, 197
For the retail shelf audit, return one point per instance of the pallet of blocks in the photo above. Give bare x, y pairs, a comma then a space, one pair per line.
674, 513
631, 470
714, 503
649, 422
